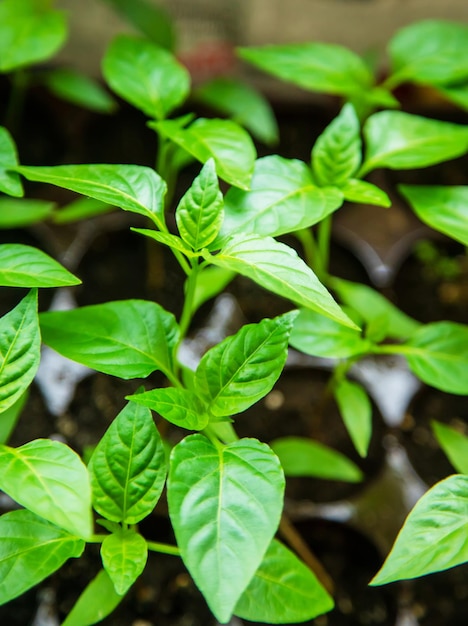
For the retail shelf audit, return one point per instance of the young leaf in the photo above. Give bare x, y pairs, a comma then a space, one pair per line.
25, 266
305, 457
438, 354
152, 20
147, 76
10, 182
178, 406
399, 140
362, 192
318, 335
128, 338
31, 549
20, 212
96, 602
283, 590
429, 52
49, 478
356, 411
433, 537
223, 140
282, 198
30, 31
336, 155
314, 66
172, 241
200, 212
277, 267
124, 556
442, 208
133, 188
128, 467
454, 444
79, 89
243, 104
243, 368
20, 346
225, 504
370, 304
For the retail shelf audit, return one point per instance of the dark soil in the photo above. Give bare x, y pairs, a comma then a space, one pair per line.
425, 291
298, 405
417, 436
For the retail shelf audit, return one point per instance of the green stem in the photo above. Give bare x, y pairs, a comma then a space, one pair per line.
324, 236
392, 81
187, 311
309, 246
164, 548
221, 431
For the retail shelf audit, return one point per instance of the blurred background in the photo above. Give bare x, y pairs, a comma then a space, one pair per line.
207, 30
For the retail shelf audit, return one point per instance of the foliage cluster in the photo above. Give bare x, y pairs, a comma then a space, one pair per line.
225, 494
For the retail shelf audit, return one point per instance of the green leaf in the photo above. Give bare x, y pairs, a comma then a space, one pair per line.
31, 549
314, 66
304, 457
133, 188
277, 267
336, 155
147, 76
441, 208
223, 140
399, 140
10, 416
454, 444
282, 198
10, 182
49, 478
356, 411
25, 266
438, 354
178, 406
199, 214
20, 350
30, 32
96, 602
20, 212
371, 305
283, 590
429, 52
80, 209
243, 368
128, 338
124, 556
458, 94
318, 335
172, 241
79, 89
433, 537
362, 192
243, 104
152, 20
225, 504
128, 467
